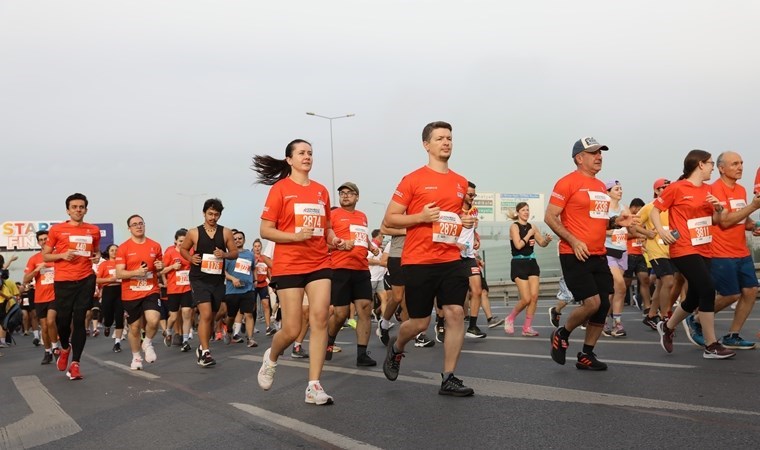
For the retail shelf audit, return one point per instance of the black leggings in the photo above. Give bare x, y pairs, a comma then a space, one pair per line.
111, 307
701, 290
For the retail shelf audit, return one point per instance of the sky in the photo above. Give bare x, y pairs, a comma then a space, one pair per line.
150, 107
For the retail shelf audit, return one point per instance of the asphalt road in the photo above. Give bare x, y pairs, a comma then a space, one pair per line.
522, 399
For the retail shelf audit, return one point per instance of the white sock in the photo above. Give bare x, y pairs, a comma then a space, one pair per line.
236, 328
36, 333
385, 324
135, 355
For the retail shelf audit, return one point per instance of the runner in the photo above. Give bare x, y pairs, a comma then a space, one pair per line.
113, 310
428, 204
637, 265
43, 275
396, 282
469, 243
351, 277
577, 213
616, 246
74, 247
138, 262
180, 298
693, 210
211, 244
295, 218
239, 290
261, 291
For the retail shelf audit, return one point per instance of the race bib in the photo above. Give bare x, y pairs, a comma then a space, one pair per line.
736, 205
359, 234
262, 268
141, 284
619, 236
183, 278
599, 205
699, 230
82, 245
243, 266
211, 264
24, 301
112, 273
47, 276
310, 215
448, 228
637, 243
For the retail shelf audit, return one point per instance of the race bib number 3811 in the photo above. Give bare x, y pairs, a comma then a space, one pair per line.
310, 215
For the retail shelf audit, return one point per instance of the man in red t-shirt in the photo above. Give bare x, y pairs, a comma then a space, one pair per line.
578, 214
43, 275
73, 246
428, 204
138, 263
177, 271
351, 277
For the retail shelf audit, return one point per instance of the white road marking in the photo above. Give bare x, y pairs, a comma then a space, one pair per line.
508, 389
137, 373
611, 361
602, 340
48, 422
296, 426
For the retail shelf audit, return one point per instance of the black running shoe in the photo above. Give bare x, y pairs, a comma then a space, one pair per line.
364, 360
651, 322
392, 362
206, 360
382, 334
422, 341
117, 347
559, 347
554, 317
454, 386
589, 362
440, 333
36, 342
47, 359
328, 353
186, 347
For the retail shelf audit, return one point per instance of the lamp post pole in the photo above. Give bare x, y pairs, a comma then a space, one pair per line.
332, 152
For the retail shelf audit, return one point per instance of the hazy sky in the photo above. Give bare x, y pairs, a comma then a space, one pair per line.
136, 102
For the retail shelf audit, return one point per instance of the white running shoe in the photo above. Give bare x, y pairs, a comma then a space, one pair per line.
317, 396
150, 353
266, 373
136, 363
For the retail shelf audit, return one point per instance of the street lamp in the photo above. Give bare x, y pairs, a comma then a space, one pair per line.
332, 154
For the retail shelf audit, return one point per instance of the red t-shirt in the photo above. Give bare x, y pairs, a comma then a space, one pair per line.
107, 269
84, 239
177, 281
585, 211
43, 281
350, 226
730, 242
757, 182
634, 245
262, 272
432, 243
691, 214
132, 255
291, 207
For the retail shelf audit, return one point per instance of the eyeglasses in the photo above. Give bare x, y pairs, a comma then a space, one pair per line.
709, 162
473, 195
138, 224
346, 193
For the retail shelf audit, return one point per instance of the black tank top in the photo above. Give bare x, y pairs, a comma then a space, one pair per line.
206, 245
526, 250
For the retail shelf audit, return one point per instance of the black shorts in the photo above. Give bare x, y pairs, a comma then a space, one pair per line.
636, 264
387, 282
177, 301
300, 280
588, 278
445, 283
663, 267
74, 295
473, 269
483, 283
135, 308
396, 272
205, 292
245, 303
261, 293
27, 302
95, 303
349, 285
524, 269
42, 309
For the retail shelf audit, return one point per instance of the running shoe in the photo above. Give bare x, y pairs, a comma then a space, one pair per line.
440, 333
494, 322
185, 347
315, 395
717, 351
618, 330
266, 372
364, 360
63, 358
206, 360
529, 332
168, 340
382, 334
270, 331
392, 362
47, 359
136, 363
329, 352
150, 352
107, 331
351, 323
226, 339
299, 352
336, 349
735, 342
218, 336
651, 322
117, 347
607, 330
251, 343
509, 326
554, 316
177, 340
558, 347
236, 339
589, 362
666, 336
95, 332
455, 387
422, 341
36, 342
693, 330
73, 373
474, 332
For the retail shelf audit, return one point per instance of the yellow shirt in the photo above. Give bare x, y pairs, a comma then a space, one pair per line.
654, 248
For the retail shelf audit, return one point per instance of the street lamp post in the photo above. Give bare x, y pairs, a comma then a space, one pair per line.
332, 153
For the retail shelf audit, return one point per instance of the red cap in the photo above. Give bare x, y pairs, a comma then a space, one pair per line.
660, 182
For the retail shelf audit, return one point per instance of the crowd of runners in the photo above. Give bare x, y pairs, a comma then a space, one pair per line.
324, 267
